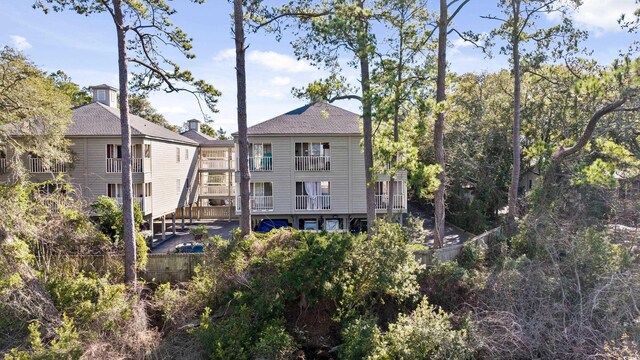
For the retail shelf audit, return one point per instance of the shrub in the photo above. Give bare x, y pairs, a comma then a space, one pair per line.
358, 338
425, 334
66, 346
274, 343
199, 232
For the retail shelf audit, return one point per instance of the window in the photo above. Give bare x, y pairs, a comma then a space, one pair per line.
332, 225
114, 151
260, 157
147, 189
147, 151
313, 149
178, 187
310, 225
312, 156
102, 95
186, 154
262, 189
113, 96
177, 154
114, 190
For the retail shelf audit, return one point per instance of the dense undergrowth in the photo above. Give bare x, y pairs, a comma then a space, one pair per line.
564, 287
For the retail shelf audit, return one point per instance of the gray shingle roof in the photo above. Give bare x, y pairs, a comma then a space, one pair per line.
96, 119
314, 118
204, 139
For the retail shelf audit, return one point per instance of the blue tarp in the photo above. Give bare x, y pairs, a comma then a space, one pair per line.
268, 225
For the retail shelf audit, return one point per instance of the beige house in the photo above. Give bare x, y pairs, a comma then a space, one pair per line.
164, 164
307, 168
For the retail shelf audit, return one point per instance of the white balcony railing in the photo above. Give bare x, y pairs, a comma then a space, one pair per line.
114, 165
216, 190
313, 163
317, 202
39, 165
382, 202
257, 203
143, 202
260, 163
3, 165
215, 163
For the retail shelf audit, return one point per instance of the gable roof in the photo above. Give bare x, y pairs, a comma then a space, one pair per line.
204, 139
96, 119
315, 118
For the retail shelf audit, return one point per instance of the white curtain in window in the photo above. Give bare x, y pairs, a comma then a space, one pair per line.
313, 189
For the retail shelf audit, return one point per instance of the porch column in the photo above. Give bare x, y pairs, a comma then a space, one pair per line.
163, 228
183, 208
173, 223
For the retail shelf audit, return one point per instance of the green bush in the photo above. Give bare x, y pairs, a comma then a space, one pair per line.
425, 334
67, 345
92, 301
358, 338
274, 343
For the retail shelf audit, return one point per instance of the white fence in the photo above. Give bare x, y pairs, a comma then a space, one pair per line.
382, 202
313, 163
114, 165
317, 202
260, 163
217, 190
39, 165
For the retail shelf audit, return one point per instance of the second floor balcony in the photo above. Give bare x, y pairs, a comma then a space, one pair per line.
39, 165
215, 164
313, 163
114, 165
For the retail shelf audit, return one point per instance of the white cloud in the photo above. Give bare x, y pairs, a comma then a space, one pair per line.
271, 94
225, 54
20, 42
172, 110
600, 15
279, 62
280, 80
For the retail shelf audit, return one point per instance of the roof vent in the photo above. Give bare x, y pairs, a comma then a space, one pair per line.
194, 124
105, 94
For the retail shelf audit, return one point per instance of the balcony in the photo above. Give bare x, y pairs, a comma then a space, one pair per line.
313, 163
3, 165
382, 202
114, 165
215, 164
257, 204
260, 163
310, 202
39, 165
216, 190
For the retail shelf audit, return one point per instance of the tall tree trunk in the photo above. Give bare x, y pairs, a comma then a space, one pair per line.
392, 179
127, 200
243, 141
515, 175
367, 120
438, 131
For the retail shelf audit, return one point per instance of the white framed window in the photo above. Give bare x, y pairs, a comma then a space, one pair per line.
186, 154
102, 95
147, 189
147, 151
178, 187
114, 151
114, 191
177, 155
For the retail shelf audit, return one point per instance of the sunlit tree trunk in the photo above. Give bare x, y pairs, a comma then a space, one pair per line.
515, 175
243, 141
438, 133
127, 200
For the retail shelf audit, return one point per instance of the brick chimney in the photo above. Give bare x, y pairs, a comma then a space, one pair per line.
105, 94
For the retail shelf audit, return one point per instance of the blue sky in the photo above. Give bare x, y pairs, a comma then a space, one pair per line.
85, 48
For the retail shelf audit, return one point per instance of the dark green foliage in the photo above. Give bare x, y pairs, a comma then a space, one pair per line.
275, 279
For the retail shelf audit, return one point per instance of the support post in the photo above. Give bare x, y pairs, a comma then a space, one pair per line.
163, 228
191, 214
183, 209
173, 223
